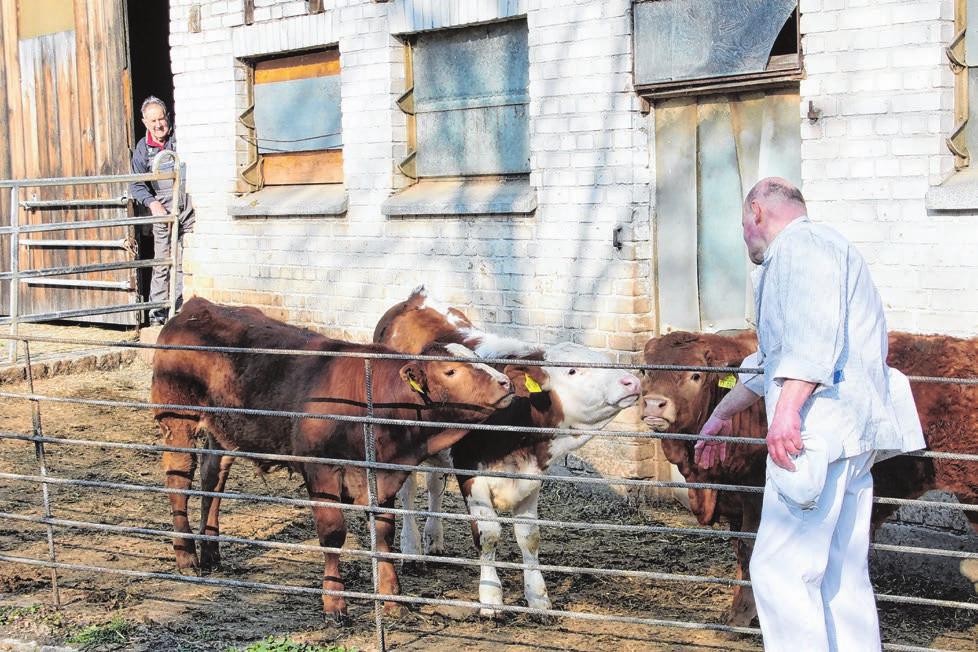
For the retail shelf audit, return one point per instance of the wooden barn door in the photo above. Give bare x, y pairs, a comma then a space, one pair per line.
67, 109
709, 151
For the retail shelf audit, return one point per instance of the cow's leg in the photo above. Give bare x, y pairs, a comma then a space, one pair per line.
434, 536
323, 483
486, 535
179, 472
410, 537
387, 583
214, 470
528, 539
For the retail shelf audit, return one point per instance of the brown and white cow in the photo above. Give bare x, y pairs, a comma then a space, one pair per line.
682, 401
547, 397
433, 390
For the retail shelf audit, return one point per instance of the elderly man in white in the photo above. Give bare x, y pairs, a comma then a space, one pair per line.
832, 406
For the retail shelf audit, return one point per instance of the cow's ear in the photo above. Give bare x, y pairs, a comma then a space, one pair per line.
414, 376
528, 379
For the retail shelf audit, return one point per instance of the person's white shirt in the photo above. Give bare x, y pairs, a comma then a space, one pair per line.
820, 319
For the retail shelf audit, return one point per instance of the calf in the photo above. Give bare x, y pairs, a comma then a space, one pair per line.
682, 402
547, 397
439, 391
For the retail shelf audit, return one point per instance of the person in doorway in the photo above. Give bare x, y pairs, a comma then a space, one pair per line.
832, 406
159, 197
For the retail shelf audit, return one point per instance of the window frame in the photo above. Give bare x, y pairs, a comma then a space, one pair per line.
297, 168
406, 102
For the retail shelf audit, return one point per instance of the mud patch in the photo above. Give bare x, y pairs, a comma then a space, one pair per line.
167, 615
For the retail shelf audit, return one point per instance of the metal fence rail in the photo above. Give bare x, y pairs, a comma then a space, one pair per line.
17, 276
372, 509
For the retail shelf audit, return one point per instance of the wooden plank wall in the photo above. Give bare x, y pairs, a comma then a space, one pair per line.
66, 109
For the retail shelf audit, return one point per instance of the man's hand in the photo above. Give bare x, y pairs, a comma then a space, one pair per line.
709, 451
157, 209
784, 437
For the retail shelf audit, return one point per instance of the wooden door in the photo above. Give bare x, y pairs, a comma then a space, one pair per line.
709, 151
66, 98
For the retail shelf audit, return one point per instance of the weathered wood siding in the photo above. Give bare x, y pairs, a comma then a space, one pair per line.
65, 110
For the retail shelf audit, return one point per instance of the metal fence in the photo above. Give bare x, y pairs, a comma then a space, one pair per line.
44, 479
16, 275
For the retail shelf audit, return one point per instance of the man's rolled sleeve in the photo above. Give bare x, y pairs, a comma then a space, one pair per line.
752, 381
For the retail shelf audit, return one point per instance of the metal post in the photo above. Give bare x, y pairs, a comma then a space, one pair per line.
175, 235
370, 454
39, 453
14, 272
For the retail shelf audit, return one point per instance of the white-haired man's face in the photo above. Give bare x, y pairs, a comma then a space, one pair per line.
157, 124
753, 236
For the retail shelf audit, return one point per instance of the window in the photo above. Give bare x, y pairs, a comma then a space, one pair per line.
294, 137
468, 104
963, 53
957, 191
468, 126
687, 47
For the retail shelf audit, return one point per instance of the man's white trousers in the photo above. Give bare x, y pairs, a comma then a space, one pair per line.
810, 569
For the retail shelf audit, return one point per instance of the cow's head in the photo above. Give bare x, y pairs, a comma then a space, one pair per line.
681, 401
470, 387
587, 397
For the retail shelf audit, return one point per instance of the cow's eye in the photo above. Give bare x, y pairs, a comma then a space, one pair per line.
571, 372
695, 376
450, 372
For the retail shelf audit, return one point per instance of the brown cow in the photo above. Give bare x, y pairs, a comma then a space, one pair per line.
440, 391
682, 402
585, 398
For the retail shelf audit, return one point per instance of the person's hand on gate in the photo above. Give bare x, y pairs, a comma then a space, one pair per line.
157, 209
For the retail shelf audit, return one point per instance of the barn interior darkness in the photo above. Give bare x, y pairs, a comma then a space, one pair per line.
150, 73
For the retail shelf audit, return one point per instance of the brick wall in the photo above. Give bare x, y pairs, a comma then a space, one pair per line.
547, 277
875, 71
878, 74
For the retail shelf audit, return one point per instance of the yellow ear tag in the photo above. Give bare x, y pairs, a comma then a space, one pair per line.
532, 386
416, 386
728, 381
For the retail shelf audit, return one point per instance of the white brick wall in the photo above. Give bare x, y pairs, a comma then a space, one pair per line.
878, 73
875, 70
589, 158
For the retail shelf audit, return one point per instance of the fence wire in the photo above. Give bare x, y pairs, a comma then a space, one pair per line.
371, 466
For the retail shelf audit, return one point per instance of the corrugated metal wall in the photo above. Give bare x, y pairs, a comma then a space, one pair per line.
65, 104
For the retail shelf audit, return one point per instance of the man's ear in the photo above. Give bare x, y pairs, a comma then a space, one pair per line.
414, 375
528, 379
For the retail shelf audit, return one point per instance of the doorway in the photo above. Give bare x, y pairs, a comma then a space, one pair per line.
151, 74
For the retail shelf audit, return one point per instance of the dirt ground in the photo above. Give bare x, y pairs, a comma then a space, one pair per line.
164, 615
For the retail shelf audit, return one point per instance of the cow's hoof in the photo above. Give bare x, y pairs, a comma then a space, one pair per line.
412, 567
209, 563
337, 619
394, 610
544, 619
189, 571
492, 614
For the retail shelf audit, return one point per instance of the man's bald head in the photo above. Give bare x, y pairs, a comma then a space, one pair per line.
771, 205
775, 191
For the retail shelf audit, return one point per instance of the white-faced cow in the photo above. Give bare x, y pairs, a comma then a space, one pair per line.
433, 390
582, 398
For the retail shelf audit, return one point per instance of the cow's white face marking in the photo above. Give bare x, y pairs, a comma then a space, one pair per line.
590, 397
498, 346
461, 351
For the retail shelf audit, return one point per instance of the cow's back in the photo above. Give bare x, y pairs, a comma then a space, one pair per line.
235, 380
